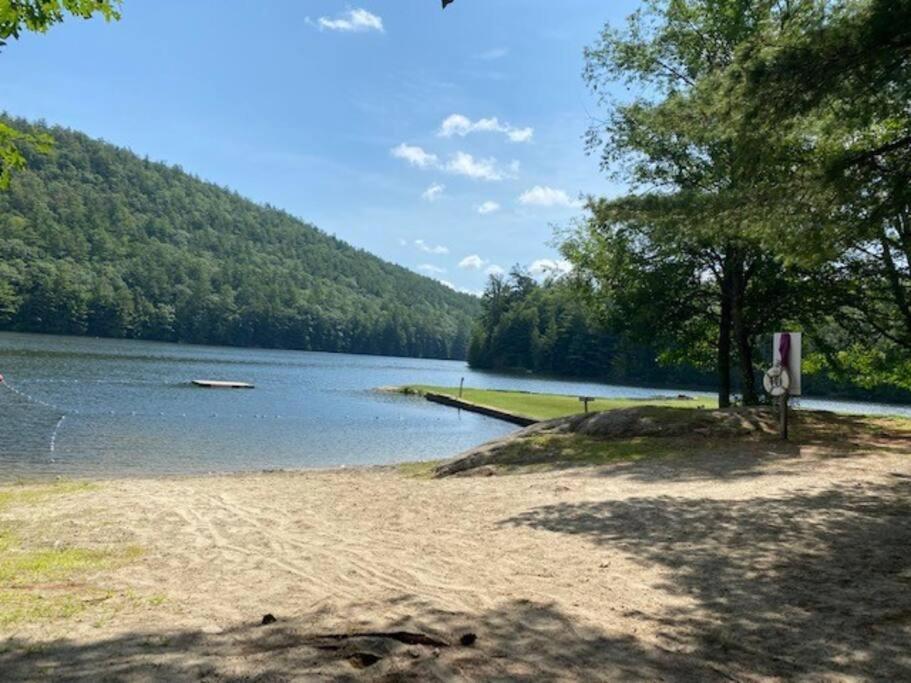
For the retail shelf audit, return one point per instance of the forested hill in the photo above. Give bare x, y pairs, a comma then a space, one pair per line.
95, 240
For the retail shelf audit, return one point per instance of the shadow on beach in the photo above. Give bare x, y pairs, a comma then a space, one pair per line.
806, 584
522, 641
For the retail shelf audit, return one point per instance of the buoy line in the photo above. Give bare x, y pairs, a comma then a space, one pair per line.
30, 399
54, 434
45, 404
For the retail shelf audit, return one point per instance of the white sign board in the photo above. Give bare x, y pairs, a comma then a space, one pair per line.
793, 363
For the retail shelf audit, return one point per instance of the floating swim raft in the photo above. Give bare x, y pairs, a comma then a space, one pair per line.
221, 384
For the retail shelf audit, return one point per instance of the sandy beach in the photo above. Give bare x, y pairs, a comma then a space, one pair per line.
755, 565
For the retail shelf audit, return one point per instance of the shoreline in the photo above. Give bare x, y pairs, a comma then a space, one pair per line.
164, 476
628, 566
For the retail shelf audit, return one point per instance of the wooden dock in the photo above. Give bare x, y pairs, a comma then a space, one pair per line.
454, 402
221, 384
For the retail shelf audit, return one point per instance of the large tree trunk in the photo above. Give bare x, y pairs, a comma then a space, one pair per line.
898, 241
742, 332
745, 364
724, 340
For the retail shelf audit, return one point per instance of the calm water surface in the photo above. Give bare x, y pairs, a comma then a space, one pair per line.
77, 406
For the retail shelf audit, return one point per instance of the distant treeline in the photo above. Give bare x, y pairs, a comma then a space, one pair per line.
548, 328
97, 241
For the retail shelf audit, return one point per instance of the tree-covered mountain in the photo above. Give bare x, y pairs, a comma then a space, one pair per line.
95, 240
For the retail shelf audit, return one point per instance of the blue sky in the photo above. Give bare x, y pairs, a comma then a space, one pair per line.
449, 142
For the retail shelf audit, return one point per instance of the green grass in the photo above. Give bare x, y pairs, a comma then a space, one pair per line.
422, 469
28, 494
23, 567
548, 406
562, 450
40, 583
552, 451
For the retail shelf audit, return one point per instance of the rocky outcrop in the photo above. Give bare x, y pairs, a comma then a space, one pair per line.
623, 423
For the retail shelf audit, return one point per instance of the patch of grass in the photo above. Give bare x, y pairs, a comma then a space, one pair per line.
546, 451
418, 470
19, 606
897, 422
549, 406
40, 583
28, 494
156, 600
6, 539
22, 567
820, 428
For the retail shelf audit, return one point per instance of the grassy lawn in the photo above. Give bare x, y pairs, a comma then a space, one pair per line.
549, 406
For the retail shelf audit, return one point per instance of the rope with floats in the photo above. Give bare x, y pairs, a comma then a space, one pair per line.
52, 445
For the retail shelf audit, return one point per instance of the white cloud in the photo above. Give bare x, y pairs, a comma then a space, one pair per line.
433, 270
434, 192
403, 242
546, 196
521, 134
464, 164
546, 266
492, 54
430, 249
460, 163
458, 124
473, 262
354, 20
488, 207
494, 269
463, 290
415, 156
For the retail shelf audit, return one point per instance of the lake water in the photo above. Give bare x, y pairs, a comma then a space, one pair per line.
77, 406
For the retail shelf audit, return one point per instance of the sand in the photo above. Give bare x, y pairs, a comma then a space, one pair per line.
727, 566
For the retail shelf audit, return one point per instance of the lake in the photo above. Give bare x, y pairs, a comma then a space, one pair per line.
77, 406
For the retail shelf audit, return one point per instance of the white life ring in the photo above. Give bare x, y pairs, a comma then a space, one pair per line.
776, 381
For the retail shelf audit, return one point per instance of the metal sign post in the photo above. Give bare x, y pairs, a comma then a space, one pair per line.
783, 419
776, 382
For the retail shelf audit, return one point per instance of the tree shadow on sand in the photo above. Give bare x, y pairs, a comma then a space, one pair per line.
519, 641
806, 584
694, 456
814, 434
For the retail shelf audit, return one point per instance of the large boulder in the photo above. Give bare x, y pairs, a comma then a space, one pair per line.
623, 423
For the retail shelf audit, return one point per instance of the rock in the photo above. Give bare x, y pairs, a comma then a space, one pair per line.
362, 660
268, 619
520, 447
482, 471
468, 639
